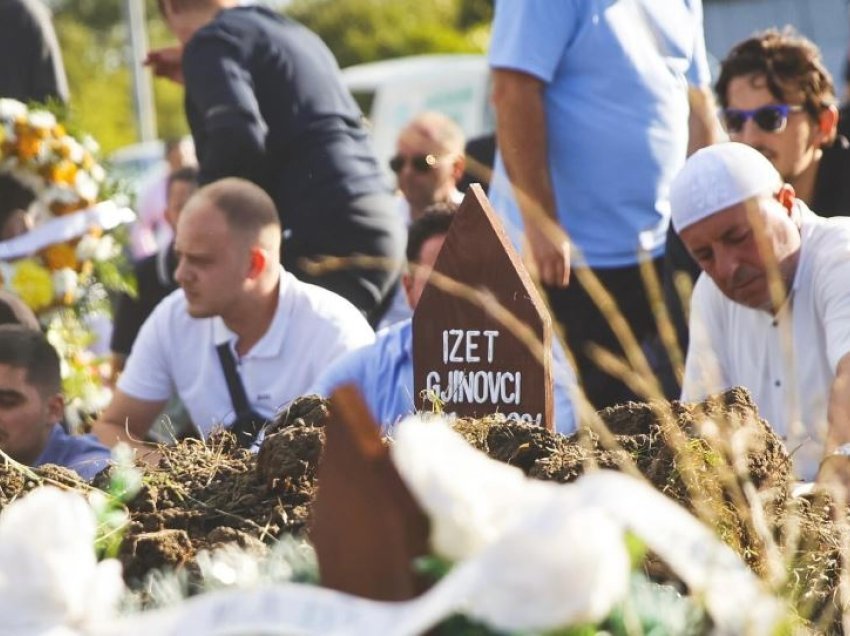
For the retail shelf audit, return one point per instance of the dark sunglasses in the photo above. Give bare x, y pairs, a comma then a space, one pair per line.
420, 163
771, 118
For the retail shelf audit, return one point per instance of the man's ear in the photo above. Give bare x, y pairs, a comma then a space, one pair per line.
56, 408
827, 125
786, 197
259, 260
458, 167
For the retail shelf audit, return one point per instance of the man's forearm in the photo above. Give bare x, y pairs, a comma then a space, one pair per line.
703, 126
111, 433
522, 138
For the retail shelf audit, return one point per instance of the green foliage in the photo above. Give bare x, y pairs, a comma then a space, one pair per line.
125, 481
93, 38
367, 30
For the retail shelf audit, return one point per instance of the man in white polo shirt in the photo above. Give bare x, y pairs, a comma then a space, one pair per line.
773, 312
236, 308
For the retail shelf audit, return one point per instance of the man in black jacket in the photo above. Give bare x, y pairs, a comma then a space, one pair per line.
265, 101
31, 66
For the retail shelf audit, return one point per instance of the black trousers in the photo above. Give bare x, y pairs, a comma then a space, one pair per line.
584, 323
368, 225
677, 259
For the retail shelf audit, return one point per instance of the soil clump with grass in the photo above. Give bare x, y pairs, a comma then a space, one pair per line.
717, 458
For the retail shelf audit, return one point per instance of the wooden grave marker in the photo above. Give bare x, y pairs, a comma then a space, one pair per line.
366, 526
462, 352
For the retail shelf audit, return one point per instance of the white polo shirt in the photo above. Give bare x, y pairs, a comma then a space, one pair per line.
787, 361
175, 353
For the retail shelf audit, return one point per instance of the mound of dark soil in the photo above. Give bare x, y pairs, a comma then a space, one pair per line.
718, 459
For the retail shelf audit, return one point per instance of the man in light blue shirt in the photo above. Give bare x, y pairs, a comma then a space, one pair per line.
593, 111
383, 371
32, 407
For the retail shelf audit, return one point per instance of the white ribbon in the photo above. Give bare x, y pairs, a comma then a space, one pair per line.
105, 215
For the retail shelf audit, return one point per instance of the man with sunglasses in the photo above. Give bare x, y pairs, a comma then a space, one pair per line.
428, 163
772, 312
777, 96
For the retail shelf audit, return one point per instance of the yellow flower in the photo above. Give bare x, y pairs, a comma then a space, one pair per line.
33, 284
63, 172
28, 145
60, 256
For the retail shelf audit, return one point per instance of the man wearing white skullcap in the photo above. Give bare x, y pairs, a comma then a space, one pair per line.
772, 310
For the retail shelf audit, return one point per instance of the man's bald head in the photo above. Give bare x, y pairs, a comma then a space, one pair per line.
436, 131
247, 209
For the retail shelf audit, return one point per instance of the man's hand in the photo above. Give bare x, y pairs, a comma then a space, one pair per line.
128, 420
167, 62
834, 476
550, 250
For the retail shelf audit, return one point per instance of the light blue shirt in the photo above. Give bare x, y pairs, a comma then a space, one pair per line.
383, 373
616, 74
81, 453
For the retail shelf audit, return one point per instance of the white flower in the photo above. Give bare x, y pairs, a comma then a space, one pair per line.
65, 283
86, 186
90, 144
49, 575
96, 398
563, 565
106, 248
469, 498
86, 247
98, 173
42, 119
11, 109
533, 556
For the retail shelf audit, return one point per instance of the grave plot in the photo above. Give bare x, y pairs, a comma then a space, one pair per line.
211, 495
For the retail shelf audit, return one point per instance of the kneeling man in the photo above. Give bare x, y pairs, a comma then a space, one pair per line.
772, 310
241, 337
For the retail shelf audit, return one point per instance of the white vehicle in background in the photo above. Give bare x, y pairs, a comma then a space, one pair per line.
392, 92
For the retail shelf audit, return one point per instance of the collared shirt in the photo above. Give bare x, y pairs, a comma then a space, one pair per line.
616, 77
176, 353
81, 453
787, 361
383, 373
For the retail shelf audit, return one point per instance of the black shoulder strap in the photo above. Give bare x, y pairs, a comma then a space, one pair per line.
245, 428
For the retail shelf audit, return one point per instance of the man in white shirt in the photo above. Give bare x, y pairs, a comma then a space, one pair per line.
234, 299
773, 312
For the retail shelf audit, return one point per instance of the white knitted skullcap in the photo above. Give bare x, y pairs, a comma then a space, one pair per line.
718, 177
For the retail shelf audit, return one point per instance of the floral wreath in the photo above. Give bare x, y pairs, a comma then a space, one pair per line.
66, 266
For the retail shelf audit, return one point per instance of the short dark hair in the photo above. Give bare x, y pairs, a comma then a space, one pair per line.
435, 221
247, 208
25, 348
787, 61
189, 174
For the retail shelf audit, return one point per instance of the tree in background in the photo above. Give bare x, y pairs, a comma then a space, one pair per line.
94, 39
367, 30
